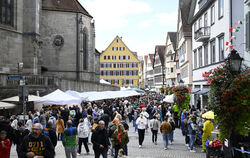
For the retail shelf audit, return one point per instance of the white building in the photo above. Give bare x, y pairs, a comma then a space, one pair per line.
148, 71
159, 67
247, 32
211, 20
170, 64
184, 44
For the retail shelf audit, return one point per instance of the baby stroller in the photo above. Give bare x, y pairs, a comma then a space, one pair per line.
198, 138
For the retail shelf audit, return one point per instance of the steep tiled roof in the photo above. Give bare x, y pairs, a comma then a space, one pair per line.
65, 5
146, 59
173, 38
184, 6
161, 51
151, 57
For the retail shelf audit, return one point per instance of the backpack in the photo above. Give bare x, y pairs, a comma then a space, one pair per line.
46, 132
111, 129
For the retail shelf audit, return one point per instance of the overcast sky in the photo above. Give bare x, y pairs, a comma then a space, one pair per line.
141, 23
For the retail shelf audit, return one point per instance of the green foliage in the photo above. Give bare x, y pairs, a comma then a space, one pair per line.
229, 98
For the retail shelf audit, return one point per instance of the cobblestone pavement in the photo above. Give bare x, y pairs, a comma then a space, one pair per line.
148, 150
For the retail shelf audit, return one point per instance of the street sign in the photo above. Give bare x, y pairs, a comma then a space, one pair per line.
15, 77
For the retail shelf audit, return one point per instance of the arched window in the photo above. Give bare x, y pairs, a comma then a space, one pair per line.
85, 50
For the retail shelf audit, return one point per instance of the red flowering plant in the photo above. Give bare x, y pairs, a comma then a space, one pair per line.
229, 98
182, 97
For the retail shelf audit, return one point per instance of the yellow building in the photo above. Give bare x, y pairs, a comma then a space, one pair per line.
119, 65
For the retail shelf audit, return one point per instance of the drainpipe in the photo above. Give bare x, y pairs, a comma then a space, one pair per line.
77, 48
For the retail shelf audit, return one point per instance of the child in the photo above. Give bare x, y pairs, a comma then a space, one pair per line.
4, 145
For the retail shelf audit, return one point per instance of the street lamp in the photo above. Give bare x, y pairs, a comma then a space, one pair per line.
234, 61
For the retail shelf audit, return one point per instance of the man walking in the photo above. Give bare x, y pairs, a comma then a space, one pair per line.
100, 140
69, 140
165, 129
37, 144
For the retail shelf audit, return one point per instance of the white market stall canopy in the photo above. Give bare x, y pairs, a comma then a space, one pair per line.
94, 96
30, 98
104, 82
169, 98
4, 105
58, 97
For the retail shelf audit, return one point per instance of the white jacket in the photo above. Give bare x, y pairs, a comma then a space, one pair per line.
141, 122
83, 130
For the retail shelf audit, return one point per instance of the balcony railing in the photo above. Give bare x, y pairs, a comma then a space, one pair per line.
202, 34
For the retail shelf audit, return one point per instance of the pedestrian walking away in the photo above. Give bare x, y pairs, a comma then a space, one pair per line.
69, 140
154, 126
165, 130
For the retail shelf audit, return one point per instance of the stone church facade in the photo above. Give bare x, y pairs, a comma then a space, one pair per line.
49, 42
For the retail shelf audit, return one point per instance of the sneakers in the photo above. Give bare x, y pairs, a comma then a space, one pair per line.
188, 148
78, 154
170, 143
165, 148
187, 144
139, 146
203, 151
192, 151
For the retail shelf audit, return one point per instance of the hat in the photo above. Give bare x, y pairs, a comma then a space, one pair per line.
3, 132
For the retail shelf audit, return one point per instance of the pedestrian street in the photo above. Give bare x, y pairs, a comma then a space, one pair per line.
148, 150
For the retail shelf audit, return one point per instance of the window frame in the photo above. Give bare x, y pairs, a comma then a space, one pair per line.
221, 45
220, 9
212, 51
212, 15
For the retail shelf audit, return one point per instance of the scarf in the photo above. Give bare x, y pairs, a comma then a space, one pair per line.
119, 136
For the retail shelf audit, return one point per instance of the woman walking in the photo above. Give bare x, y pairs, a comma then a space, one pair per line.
83, 134
154, 125
59, 128
119, 139
141, 123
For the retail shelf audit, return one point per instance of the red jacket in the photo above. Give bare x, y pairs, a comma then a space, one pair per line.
5, 152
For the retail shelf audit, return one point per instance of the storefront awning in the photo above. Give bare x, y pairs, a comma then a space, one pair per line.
203, 91
195, 90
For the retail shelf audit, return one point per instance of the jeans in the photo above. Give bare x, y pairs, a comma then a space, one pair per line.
165, 140
171, 136
103, 152
111, 147
135, 125
125, 152
141, 133
59, 136
85, 143
70, 150
183, 128
154, 135
191, 142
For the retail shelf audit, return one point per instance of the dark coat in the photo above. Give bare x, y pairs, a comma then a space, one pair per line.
41, 146
100, 137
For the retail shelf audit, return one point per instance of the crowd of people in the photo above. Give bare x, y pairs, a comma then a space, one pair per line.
103, 125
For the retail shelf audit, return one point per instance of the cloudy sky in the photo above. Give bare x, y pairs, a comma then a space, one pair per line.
142, 24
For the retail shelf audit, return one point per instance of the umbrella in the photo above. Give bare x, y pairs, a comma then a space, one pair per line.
208, 115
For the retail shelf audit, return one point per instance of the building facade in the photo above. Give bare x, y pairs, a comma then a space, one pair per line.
119, 65
246, 23
149, 71
211, 21
159, 67
51, 43
170, 64
184, 44
141, 72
